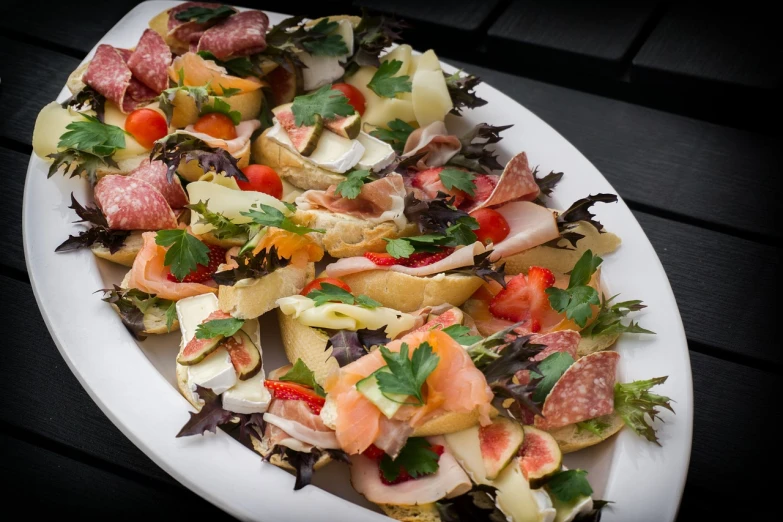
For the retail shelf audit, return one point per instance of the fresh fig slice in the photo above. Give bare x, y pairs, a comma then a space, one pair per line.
245, 355
540, 456
499, 443
345, 126
284, 84
304, 138
195, 351
446, 319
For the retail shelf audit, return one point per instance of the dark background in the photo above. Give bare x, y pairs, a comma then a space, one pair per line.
678, 105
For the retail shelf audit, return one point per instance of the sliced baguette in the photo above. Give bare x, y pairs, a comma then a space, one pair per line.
562, 260
292, 167
570, 438
160, 24
419, 513
125, 255
262, 447
409, 293
308, 344
258, 296
348, 236
154, 317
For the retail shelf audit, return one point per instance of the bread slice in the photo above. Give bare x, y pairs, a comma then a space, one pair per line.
306, 343
125, 255
262, 447
570, 438
348, 236
258, 296
420, 513
292, 167
562, 260
408, 293
154, 316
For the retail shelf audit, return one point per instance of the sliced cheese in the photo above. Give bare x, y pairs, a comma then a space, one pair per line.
379, 111
341, 316
250, 396
230, 203
465, 447
514, 496
319, 70
428, 61
333, 153
402, 53
345, 29
431, 99
49, 126
377, 153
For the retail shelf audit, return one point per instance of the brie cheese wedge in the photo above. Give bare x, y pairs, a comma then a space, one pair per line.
377, 153
250, 396
333, 153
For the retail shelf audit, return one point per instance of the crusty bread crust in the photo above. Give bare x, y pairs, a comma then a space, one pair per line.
308, 344
347, 236
292, 167
409, 293
74, 81
154, 318
262, 447
420, 513
248, 301
125, 255
562, 260
571, 439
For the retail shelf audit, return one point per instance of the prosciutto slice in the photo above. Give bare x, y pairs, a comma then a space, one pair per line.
529, 225
154, 173
374, 199
449, 481
392, 436
516, 183
435, 142
241, 34
291, 420
458, 259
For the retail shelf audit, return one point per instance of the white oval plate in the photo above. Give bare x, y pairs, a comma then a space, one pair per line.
133, 383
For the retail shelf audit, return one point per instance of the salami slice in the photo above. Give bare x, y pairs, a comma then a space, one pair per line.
516, 182
154, 173
109, 74
585, 391
133, 204
185, 31
150, 61
565, 341
240, 35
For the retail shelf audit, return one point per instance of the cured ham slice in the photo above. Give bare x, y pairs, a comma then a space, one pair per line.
155, 173
133, 204
585, 391
449, 481
150, 275
516, 183
150, 61
392, 436
435, 142
241, 34
244, 130
186, 31
374, 199
529, 225
459, 258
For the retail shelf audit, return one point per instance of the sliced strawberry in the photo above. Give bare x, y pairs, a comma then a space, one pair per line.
296, 392
540, 278
374, 452
201, 274
426, 258
404, 476
484, 186
513, 302
429, 182
381, 259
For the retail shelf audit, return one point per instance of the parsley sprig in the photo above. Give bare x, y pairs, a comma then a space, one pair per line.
458, 179
385, 84
406, 376
609, 319
219, 328
416, 458
351, 187
324, 102
575, 300
301, 374
460, 233
329, 293
567, 486
185, 251
461, 333
549, 372
222, 107
223, 227
86, 146
268, 216
396, 135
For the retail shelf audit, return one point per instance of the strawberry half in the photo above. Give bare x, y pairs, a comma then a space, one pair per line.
426, 258
382, 259
374, 452
404, 476
524, 298
201, 274
484, 186
296, 392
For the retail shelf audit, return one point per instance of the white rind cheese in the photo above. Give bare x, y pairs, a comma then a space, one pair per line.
250, 396
377, 153
333, 153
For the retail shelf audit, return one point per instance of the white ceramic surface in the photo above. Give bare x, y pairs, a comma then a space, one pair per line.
133, 383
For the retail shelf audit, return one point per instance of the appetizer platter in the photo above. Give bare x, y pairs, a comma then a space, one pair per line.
274, 243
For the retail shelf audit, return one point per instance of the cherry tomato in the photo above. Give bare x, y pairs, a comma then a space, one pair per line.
216, 125
315, 284
492, 226
146, 126
262, 179
354, 95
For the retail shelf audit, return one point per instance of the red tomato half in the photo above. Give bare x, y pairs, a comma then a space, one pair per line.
216, 125
354, 95
315, 284
146, 126
492, 226
262, 179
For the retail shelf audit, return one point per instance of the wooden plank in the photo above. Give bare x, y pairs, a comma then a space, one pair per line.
568, 31
44, 397
461, 15
722, 286
28, 87
15, 167
48, 483
89, 22
702, 172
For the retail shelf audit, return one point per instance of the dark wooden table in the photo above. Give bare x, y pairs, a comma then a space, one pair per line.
678, 106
